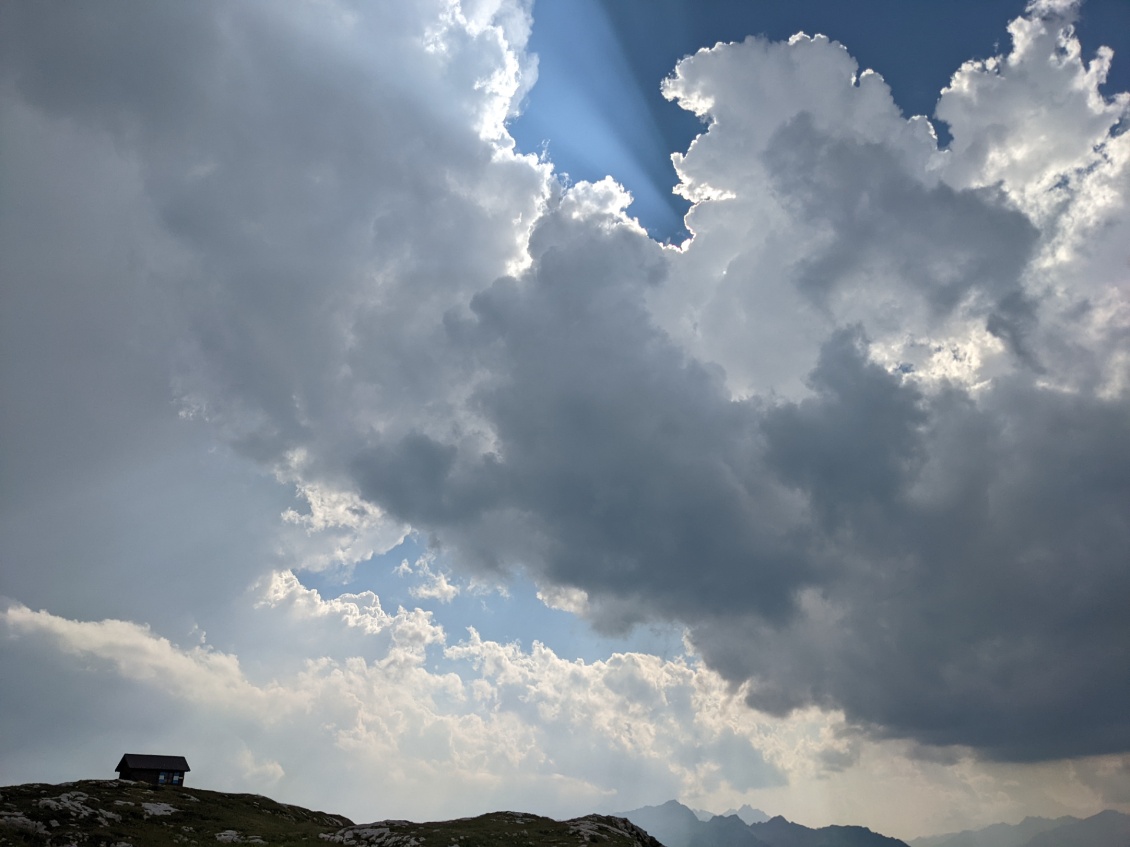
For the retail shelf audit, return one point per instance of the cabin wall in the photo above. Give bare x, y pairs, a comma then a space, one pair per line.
154, 777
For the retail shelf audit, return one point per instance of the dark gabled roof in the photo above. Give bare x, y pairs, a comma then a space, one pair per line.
136, 761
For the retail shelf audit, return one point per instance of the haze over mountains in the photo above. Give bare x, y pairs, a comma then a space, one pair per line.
747, 813
997, 835
1106, 829
678, 826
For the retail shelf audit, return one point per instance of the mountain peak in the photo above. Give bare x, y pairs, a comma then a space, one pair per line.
748, 814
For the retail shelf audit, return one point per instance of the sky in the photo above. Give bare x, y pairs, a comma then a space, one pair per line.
417, 410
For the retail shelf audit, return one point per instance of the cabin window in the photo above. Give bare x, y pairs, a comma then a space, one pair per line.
177, 777
162, 777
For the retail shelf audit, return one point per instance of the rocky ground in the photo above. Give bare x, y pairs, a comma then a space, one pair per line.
131, 814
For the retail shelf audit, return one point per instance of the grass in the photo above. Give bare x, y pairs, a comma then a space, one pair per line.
115, 813
109, 812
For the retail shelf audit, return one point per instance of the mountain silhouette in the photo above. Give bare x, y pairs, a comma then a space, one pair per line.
678, 826
1106, 829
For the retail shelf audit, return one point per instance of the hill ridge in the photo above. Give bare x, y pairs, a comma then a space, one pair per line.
111, 811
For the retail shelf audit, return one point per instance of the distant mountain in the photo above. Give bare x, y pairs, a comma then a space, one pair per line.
672, 823
779, 832
677, 826
726, 831
748, 814
702, 814
1106, 829
997, 835
119, 812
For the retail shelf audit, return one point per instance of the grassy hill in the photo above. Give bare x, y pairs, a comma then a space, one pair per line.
113, 812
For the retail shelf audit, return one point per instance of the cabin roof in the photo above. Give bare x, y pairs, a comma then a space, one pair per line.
138, 761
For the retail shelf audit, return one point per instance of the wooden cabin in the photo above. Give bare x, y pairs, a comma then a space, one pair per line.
156, 770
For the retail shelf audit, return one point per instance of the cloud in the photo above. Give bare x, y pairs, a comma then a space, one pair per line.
863, 437
972, 609
502, 722
499, 723
198, 674
434, 585
876, 540
951, 515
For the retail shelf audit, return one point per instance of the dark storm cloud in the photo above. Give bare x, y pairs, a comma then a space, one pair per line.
624, 465
979, 600
936, 241
853, 447
942, 567
336, 264
959, 571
